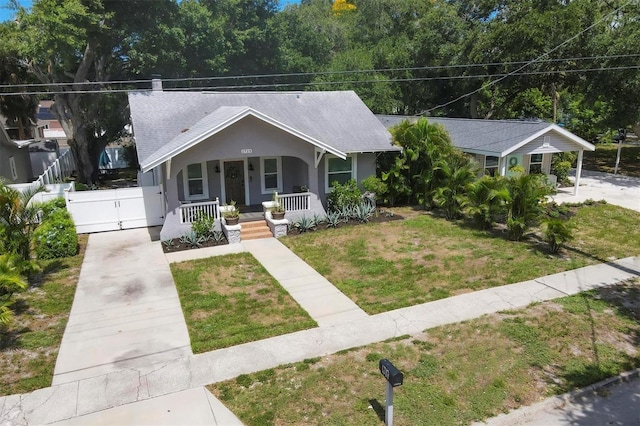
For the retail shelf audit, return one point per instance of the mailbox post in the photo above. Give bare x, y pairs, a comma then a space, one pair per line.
394, 378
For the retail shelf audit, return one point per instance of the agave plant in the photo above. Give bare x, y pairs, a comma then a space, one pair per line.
333, 219
304, 224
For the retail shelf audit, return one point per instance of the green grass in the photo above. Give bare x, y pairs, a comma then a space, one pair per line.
455, 374
29, 346
603, 159
384, 266
229, 300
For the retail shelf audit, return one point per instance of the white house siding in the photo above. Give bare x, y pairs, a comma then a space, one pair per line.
557, 143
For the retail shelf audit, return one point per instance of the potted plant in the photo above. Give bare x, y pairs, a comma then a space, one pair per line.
230, 213
277, 211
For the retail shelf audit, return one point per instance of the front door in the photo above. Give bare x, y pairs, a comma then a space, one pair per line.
234, 182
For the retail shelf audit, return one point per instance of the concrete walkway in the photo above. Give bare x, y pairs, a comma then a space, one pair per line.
170, 391
126, 312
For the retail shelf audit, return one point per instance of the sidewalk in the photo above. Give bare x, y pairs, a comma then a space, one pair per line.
139, 384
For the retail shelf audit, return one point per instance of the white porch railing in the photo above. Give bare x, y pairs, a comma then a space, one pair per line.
295, 202
189, 212
59, 170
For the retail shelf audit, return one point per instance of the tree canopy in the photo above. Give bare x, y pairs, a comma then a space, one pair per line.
441, 57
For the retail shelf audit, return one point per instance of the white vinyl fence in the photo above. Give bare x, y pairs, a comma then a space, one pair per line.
52, 191
115, 209
59, 170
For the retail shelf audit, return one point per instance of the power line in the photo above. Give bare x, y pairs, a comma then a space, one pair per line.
539, 58
317, 73
328, 83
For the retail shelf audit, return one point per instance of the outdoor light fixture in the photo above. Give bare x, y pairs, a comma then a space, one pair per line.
250, 166
217, 168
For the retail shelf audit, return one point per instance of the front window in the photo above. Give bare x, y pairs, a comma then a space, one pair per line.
535, 164
195, 182
491, 165
271, 174
339, 170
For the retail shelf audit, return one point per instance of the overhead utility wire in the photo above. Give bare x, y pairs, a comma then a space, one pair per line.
538, 59
324, 83
317, 73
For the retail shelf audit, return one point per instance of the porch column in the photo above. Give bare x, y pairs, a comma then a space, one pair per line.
503, 166
313, 179
172, 194
578, 172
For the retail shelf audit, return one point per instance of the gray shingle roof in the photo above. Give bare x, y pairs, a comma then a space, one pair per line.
493, 137
163, 121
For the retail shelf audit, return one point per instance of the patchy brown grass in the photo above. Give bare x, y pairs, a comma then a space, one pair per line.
454, 374
384, 266
29, 346
603, 159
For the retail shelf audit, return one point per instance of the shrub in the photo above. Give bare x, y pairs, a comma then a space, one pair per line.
344, 195
11, 281
202, 227
51, 206
556, 232
375, 185
56, 236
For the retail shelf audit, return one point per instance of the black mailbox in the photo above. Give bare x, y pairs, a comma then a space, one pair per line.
391, 373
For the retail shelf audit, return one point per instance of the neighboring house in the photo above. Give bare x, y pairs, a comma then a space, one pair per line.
15, 165
244, 146
498, 145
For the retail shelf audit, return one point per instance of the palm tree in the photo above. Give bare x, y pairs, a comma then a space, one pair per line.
11, 281
454, 174
18, 218
486, 199
556, 232
525, 204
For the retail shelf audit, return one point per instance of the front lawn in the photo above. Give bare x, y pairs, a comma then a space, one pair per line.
390, 265
229, 300
454, 374
29, 346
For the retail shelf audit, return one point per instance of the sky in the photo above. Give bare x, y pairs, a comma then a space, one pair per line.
6, 14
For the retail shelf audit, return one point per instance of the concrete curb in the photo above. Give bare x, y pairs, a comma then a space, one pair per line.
525, 414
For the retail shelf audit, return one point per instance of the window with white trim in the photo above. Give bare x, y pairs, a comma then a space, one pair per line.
491, 165
271, 176
196, 186
339, 170
12, 166
535, 164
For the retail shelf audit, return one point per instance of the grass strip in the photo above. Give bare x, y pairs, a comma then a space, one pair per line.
454, 374
29, 346
229, 300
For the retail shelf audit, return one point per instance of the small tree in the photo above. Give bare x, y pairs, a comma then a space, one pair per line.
454, 173
11, 281
525, 204
18, 218
556, 232
486, 200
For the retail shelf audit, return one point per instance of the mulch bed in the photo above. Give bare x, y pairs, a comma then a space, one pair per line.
179, 246
382, 216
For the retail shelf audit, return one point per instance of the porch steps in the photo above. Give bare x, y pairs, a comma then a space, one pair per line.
254, 230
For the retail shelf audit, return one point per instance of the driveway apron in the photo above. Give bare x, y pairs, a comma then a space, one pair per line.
126, 312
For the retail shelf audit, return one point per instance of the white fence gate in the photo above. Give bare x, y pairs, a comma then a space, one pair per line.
114, 209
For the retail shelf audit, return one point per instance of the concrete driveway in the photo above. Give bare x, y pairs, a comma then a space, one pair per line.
623, 191
126, 312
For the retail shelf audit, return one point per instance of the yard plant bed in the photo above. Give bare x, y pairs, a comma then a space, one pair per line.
381, 216
177, 245
454, 374
229, 300
29, 346
385, 266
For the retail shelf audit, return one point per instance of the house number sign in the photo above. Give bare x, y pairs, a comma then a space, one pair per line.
246, 151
